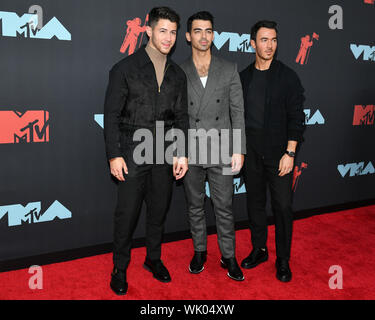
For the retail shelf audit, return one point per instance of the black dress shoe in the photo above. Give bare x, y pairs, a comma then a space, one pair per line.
256, 257
197, 263
283, 272
234, 270
157, 268
118, 282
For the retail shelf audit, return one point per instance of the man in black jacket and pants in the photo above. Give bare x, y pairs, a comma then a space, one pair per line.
146, 90
275, 122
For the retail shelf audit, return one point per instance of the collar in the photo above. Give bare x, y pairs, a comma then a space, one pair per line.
213, 64
144, 59
155, 55
273, 64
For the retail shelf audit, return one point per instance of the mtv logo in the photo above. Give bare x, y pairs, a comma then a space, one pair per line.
238, 186
363, 115
368, 52
31, 213
24, 127
26, 25
317, 118
356, 169
237, 42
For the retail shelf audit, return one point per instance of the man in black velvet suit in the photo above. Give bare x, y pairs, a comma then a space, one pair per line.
275, 122
145, 91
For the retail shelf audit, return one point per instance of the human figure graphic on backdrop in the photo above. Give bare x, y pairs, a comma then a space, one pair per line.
305, 45
132, 33
304, 51
296, 174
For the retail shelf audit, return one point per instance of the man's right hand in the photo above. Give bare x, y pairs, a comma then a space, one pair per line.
117, 166
180, 166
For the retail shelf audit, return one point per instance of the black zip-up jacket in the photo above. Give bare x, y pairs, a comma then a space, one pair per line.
284, 118
134, 100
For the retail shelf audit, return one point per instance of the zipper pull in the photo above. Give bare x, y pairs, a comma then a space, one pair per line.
159, 89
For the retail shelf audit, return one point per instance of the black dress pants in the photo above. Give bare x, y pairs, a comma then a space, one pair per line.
152, 183
258, 174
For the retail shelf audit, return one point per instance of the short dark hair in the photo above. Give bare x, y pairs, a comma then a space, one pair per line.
158, 13
262, 24
201, 15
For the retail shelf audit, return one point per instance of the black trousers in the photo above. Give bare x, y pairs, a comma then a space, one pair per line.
152, 183
258, 174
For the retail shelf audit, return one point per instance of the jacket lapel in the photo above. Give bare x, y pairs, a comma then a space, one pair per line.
246, 80
212, 80
195, 81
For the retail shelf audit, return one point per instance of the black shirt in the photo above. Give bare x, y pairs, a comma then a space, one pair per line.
256, 100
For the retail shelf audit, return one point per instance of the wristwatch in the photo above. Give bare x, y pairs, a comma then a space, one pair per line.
290, 153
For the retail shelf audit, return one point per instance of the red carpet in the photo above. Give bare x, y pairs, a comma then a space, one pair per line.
345, 238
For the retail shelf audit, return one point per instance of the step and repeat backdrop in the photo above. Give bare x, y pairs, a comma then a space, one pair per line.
56, 192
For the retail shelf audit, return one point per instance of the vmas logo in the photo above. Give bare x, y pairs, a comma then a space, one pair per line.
238, 187
134, 29
24, 127
356, 169
30, 25
363, 115
237, 43
305, 47
367, 52
311, 119
31, 213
